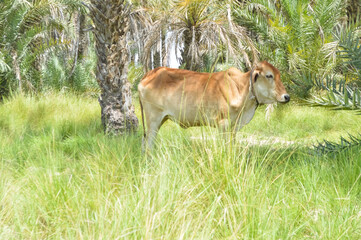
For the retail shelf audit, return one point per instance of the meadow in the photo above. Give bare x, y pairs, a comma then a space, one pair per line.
62, 178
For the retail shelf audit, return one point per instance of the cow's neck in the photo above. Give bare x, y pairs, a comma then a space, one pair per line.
251, 94
250, 105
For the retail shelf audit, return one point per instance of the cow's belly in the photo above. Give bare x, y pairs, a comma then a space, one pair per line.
190, 112
193, 116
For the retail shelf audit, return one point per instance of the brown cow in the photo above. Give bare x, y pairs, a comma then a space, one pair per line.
226, 99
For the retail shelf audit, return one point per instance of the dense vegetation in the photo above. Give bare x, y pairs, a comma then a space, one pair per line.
62, 177
48, 44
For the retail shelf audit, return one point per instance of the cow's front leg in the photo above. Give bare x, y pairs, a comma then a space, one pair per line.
227, 130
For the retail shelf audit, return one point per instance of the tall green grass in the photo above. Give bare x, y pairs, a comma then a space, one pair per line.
61, 178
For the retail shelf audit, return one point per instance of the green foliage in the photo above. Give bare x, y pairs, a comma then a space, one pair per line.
327, 147
3, 80
201, 29
337, 95
83, 79
302, 85
28, 31
351, 52
3, 66
56, 71
135, 74
297, 36
340, 94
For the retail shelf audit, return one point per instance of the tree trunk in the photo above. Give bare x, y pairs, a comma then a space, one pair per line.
159, 60
110, 18
80, 43
75, 48
353, 10
186, 59
83, 40
17, 69
191, 58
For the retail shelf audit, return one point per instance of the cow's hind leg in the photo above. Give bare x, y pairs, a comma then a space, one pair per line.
155, 119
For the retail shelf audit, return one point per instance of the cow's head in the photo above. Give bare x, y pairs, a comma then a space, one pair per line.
267, 85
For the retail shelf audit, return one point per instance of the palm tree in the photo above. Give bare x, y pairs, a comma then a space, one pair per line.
344, 94
80, 42
296, 34
26, 32
198, 27
82, 35
111, 22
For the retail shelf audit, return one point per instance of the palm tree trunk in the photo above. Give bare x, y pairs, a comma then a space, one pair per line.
17, 69
353, 10
186, 59
75, 49
83, 42
110, 18
191, 58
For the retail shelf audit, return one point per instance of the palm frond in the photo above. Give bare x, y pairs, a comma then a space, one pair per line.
32, 29
297, 35
3, 66
328, 147
351, 51
34, 16
72, 5
336, 95
200, 28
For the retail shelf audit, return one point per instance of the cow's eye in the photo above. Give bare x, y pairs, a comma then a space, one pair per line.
269, 76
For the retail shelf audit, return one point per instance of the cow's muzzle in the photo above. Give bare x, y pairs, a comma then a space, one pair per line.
285, 98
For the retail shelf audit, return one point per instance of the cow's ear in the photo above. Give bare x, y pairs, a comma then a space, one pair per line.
255, 77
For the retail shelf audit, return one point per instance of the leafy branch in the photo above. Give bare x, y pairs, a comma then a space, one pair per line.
338, 95
327, 147
351, 51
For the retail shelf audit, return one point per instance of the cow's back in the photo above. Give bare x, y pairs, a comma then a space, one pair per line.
174, 83
183, 94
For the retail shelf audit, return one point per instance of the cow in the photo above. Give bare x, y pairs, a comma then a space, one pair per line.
226, 99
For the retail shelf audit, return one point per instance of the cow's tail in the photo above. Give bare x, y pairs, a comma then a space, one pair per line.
142, 111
